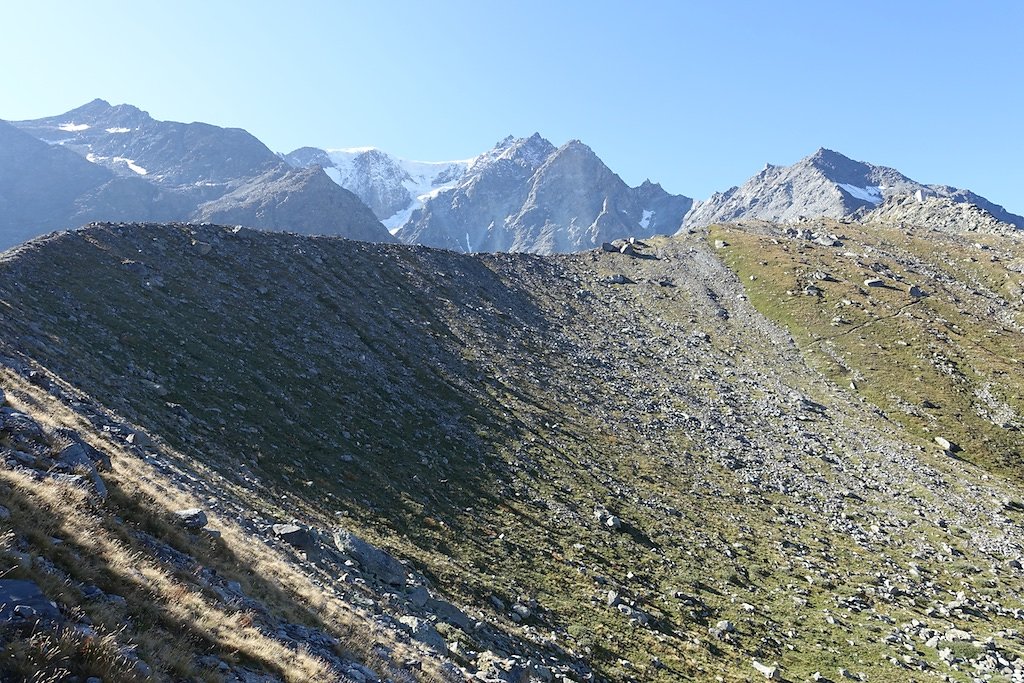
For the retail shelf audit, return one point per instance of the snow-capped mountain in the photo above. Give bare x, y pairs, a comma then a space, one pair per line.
106, 162
524, 194
392, 187
828, 184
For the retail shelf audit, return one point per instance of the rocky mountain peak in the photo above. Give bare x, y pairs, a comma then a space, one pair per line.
824, 183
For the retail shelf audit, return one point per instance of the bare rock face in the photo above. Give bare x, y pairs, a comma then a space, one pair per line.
526, 195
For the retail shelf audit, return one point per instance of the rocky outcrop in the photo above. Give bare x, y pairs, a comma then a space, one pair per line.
937, 213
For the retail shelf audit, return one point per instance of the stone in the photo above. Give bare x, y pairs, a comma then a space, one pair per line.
418, 596
946, 445
20, 426
874, 282
449, 614
5, 514
915, 291
138, 439
613, 522
609, 247
720, 629
295, 536
25, 601
424, 632
373, 560
769, 672
627, 250
192, 518
522, 610
721, 244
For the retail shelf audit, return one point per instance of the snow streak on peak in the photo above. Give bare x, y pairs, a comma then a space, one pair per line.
870, 193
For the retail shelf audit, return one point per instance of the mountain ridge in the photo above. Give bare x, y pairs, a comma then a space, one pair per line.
823, 184
165, 170
523, 194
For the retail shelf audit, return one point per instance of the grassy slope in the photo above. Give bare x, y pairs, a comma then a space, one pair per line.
959, 348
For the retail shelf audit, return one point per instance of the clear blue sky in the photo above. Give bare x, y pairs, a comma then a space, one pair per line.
695, 96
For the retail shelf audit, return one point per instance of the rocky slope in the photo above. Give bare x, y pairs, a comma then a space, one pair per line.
939, 213
598, 466
117, 163
824, 184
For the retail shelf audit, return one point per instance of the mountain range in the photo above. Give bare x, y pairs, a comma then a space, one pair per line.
106, 162
117, 163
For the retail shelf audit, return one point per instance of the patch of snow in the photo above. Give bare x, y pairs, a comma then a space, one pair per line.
646, 220
334, 175
469, 247
73, 127
90, 157
422, 180
868, 194
119, 130
130, 163
393, 223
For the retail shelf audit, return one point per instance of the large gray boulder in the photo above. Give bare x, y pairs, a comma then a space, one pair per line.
192, 518
24, 602
373, 560
295, 536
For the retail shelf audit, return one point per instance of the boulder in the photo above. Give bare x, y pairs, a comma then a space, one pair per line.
24, 601
609, 247
720, 629
449, 614
192, 518
418, 596
295, 536
874, 282
769, 672
424, 632
20, 426
947, 445
373, 560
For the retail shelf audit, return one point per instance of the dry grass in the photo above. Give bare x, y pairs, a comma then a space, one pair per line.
171, 620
